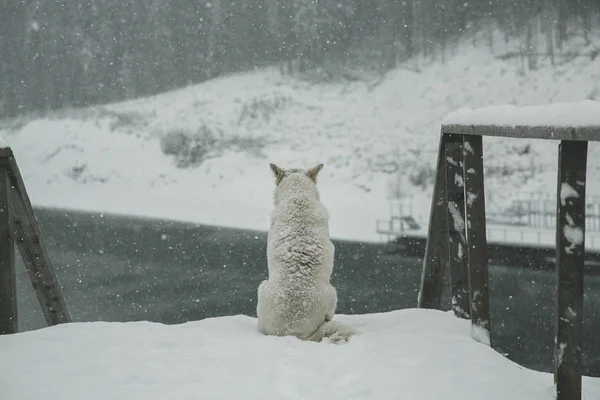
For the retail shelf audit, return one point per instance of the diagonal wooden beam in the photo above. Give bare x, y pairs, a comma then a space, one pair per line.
33, 252
436, 248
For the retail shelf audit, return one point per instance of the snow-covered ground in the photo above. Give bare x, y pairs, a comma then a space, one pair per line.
408, 354
375, 141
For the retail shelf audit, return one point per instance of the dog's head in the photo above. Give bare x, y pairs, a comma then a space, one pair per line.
296, 183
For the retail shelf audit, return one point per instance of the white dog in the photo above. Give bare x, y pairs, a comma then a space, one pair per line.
297, 299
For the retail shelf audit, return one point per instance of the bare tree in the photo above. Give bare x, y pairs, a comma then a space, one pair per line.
417, 31
215, 33
12, 26
561, 22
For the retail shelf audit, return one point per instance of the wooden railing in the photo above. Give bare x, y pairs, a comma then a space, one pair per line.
18, 224
457, 235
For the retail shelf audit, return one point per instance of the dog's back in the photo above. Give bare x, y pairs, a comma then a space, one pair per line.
297, 299
298, 242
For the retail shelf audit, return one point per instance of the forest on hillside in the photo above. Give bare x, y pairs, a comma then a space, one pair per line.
56, 54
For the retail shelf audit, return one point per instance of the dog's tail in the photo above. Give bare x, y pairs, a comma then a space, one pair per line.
333, 330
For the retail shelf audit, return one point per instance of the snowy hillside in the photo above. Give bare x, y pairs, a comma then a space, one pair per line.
415, 354
202, 153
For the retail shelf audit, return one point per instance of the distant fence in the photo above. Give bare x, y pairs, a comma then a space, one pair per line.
538, 210
527, 210
18, 224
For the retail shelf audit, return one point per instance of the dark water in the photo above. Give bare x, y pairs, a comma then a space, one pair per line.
124, 269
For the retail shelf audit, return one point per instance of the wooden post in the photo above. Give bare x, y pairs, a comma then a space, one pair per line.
476, 233
570, 254
436, 248
8, 282
457, 249
34, 254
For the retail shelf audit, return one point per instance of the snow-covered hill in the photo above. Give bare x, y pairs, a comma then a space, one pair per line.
374, 141
408, 354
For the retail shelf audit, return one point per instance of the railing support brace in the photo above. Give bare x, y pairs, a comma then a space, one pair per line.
8, 282
570, 255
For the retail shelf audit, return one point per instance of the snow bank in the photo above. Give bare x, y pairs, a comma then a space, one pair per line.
572, 114
408, 354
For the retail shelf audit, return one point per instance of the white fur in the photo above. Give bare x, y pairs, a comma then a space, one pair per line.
298, 299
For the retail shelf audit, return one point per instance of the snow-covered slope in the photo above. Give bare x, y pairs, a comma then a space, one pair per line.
408, 354
374, 141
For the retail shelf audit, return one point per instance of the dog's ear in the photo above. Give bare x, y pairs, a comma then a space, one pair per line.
278, 172
313, 172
